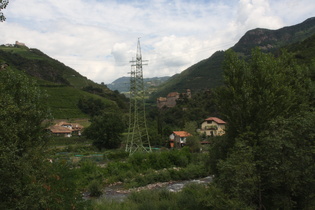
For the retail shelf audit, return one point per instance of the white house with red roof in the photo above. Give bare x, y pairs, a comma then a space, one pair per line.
178, 139
213, 126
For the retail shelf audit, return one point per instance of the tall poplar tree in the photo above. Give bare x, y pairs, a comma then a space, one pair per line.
267, 156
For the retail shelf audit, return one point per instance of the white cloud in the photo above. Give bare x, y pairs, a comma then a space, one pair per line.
121, 53
257, 13
98, 38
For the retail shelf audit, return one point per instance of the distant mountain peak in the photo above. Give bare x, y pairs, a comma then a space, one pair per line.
270, 40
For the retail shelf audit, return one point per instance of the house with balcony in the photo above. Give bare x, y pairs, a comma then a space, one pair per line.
213, 126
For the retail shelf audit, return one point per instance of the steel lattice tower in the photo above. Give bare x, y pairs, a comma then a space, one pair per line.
138, 137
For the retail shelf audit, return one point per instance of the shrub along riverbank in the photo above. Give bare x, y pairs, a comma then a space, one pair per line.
116, 166
142, 169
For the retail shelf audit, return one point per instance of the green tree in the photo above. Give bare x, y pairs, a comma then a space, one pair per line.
28, 179
3, 5
106, 130
21, 137
193, 141
267, 154
91, 106
259, 90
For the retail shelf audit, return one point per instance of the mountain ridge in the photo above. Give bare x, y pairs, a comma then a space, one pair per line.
207, 73
122, 84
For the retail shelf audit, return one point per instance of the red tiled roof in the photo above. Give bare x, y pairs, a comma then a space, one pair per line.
59, 129
181, 133
215, 119
172, 94
63, 123
73, 125
161, 99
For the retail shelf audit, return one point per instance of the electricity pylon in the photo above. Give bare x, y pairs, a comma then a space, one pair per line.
138, 137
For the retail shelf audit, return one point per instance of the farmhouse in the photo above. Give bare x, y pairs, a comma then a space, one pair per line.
213, 126
66, 129
178, 139
60, 131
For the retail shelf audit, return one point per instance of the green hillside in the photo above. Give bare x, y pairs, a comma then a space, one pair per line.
203, 75
304, 51
63, 85
207, 73
63, 101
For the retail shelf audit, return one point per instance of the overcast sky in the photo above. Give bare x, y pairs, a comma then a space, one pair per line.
98, 38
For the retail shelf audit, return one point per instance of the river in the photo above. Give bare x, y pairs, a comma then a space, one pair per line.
118, 193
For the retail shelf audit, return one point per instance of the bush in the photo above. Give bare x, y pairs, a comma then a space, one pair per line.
116, 155
95, 188
88, 172
159, 160
156, 199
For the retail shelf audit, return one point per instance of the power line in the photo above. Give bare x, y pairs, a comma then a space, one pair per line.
138, 137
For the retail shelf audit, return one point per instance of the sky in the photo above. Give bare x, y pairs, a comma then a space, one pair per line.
98, 38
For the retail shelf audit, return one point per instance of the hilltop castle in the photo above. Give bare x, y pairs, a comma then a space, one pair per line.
20, 44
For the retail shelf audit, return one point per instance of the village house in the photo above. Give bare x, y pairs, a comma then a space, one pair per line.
60, 131
66, 129
178, 139
213, 126
170, 99
161, 102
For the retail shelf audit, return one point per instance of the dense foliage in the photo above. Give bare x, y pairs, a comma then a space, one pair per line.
91, 106
28, 179
120, 99
142, 169
106, 130
267, 155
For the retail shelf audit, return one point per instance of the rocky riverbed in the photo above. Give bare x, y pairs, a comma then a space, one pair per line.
117, 192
